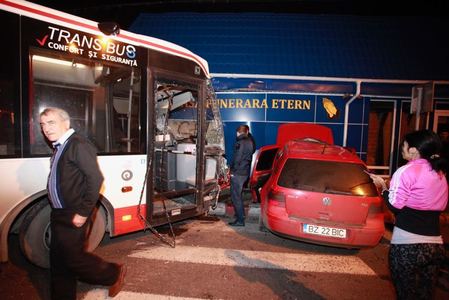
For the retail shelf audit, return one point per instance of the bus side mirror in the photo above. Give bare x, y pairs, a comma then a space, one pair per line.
109, 28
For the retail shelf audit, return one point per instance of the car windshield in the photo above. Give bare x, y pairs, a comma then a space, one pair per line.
326, 177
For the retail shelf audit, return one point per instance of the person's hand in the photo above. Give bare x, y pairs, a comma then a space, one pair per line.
78, 220
379, 182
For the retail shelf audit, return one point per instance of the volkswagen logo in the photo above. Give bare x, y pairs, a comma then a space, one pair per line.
327, 201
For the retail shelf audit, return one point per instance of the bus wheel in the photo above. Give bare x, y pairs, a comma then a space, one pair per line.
98, 229
35, 233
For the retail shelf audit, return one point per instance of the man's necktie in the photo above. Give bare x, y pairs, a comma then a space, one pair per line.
55, 150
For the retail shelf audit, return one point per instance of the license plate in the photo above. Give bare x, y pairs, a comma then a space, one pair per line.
324, 231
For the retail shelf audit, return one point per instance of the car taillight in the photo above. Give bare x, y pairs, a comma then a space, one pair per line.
276, 198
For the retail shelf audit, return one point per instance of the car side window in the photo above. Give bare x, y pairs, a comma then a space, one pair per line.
266, 158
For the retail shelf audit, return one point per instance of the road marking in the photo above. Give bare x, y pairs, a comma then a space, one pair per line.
259, 259
97, 294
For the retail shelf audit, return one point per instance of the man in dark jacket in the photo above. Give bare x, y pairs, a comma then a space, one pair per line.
240, 169
73, 189
250, 136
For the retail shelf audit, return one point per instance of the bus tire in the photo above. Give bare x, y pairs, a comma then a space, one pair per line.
35, 233
98, 229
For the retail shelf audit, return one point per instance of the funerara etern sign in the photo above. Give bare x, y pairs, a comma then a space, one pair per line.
279, 107
88, 46
264, 103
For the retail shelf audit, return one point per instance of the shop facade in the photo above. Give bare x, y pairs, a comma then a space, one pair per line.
369, 79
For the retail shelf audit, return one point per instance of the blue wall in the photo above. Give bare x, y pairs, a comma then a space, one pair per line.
265, 111
310, 45
369, 47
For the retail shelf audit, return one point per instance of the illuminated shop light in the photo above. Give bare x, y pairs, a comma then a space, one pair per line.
58, 62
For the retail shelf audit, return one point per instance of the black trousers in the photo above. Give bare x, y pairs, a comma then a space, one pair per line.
69, 260
414, 269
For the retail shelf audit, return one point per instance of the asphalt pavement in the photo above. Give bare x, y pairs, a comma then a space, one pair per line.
224, 208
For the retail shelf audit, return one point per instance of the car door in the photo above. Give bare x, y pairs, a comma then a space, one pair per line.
262, 168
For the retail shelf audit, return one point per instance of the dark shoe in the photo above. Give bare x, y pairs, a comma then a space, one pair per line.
236, 223
118, 285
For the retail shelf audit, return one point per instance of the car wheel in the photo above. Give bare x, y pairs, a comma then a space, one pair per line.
35, 233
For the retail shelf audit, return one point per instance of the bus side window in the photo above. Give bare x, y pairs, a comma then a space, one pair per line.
9, 87
125, 113
7, 141
103, 101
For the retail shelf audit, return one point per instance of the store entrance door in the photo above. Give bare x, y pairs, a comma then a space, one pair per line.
441, 121
382, 120
441, 126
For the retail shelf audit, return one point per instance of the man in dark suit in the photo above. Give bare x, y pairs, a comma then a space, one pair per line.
73, 189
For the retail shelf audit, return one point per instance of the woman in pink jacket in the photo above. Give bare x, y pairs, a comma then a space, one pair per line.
417, 195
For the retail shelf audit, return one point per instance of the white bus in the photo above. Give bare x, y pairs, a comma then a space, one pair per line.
146, 104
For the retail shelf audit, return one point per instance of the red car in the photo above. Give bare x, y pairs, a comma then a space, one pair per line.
312, 190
